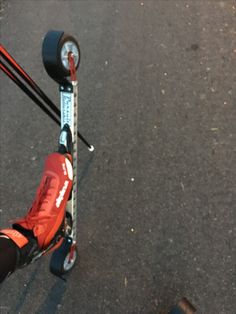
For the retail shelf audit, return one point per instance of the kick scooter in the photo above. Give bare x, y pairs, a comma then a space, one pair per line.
61, 58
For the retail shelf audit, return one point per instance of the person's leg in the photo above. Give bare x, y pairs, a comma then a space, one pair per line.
8, 256
16, 250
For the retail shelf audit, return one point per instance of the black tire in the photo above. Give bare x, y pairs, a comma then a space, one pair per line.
59, 264
53, 44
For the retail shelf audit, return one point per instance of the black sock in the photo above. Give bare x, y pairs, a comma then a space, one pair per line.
27, 252
9, 253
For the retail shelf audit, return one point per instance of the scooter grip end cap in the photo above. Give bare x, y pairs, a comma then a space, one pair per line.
91, 149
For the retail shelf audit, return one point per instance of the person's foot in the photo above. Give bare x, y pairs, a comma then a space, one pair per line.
45, 219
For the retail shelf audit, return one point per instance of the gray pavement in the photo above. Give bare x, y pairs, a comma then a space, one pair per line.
157, 199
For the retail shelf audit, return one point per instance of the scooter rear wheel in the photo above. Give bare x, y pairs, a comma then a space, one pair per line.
64, 258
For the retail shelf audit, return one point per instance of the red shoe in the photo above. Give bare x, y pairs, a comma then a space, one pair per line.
48, 210
46, 216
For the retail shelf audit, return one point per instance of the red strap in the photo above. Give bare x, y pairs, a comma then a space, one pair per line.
72, 67
15, 236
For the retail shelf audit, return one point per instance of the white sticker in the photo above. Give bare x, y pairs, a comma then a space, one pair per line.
66, 108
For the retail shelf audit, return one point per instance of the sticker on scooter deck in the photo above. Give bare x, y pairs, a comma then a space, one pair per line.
67, 110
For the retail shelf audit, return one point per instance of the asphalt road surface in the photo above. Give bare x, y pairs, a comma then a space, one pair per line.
157, 198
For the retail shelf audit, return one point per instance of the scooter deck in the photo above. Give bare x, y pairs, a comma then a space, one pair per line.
69, 115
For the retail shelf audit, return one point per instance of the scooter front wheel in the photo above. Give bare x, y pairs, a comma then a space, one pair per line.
55, 50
